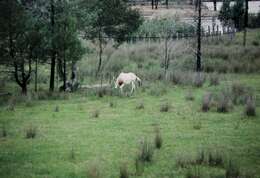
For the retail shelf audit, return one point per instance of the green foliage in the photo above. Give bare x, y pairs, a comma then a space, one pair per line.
232, 14
111, 18
162, 27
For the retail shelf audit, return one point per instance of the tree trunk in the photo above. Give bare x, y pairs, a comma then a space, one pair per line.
24, 88
167, 4
53, 55
166, 56
245, 22
64, 73
215, 5
36, 76
152, 3
100, 53
198, 68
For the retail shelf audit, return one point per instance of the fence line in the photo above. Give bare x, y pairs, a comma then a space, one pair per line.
210, 32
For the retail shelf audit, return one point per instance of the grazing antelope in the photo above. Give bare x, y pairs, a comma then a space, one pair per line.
125, 79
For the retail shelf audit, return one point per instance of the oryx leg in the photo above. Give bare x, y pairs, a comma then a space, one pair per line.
121, 88
133, 87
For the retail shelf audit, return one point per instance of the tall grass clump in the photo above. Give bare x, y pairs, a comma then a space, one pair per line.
94, 171
31, 132
123, 171
206, 101
232, 170
189, 96
165, 107
3, 131
240, 93
194, 172
250, 108
146, 151
11, 104
199, 79
95, 114
158, 138
223, 102
140, 105
214, 79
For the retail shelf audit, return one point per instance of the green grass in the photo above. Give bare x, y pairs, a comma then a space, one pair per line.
114, 137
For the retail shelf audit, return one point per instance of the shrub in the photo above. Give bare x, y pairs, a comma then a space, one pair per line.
214, 79
94, 171
189, 96
146, 152
165, 107
206, 102
124, 171
199, 80
250, 108
95, 114
158, 139
31, 132
140, 106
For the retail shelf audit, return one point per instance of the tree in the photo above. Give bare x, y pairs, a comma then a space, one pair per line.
20, 41
245, 22
233, 14
198, 65
109, 19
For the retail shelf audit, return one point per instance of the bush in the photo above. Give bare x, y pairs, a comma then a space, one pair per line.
214, 79
206, 101
165, 107
124, 171
250, 108
30, 132
158, 139
146, 152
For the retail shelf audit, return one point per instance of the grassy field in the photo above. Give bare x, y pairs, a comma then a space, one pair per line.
78, 134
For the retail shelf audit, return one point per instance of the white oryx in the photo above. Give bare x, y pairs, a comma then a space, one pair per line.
125, 79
